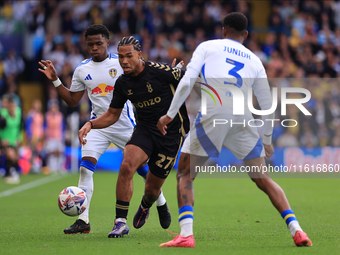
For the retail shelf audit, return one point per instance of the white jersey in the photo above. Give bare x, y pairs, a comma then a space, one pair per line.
226, 68
99, 79
229, 67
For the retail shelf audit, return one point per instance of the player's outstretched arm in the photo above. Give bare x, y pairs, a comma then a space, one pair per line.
107, 119
162, 122
71, 98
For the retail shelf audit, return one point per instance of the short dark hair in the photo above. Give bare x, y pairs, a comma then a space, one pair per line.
97, 29
235, 20
130, 41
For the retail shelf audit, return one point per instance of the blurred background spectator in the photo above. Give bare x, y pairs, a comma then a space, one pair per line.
35, 136
11, 137
295, 40
54, 137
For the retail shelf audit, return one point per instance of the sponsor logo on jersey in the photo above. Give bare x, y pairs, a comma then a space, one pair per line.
102, 89
148, 102
113, 72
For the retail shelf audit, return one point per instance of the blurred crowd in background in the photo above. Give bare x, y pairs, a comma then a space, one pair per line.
299, 45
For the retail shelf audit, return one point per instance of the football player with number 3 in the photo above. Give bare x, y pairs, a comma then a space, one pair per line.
212, 60
98, 75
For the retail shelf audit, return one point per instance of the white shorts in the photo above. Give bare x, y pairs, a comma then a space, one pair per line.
54, 145
98, 140
206, 140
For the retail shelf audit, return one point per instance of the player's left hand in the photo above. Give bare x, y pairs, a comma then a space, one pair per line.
162, 122
48, 69
268, 148
181, 63
83, 132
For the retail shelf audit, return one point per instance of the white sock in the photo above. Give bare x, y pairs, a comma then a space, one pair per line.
61, 161
186, 227
121, 220
293, 227
160, 200
86, 183
52, 163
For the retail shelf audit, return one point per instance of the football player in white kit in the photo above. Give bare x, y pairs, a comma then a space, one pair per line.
98, 75
223, 66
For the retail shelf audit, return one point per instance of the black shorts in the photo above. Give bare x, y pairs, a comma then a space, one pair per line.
162, 152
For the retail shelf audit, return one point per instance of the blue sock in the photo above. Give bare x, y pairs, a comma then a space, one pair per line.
89, 165
288, 216
186, 211
143, 171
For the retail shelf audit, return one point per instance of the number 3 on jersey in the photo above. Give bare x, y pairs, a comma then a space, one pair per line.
233, 72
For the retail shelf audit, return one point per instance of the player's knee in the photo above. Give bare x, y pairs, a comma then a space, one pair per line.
262, 183
126, 169
183, 171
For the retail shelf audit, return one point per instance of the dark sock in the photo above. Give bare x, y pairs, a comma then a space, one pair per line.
145, 204
9, 165
122, 209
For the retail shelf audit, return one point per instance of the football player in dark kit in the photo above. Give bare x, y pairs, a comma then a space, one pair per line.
150, 87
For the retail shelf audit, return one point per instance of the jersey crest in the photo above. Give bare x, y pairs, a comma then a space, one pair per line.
148, 85
113, 72
176, 73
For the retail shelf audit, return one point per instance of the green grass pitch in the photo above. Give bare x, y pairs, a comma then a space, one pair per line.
232, 216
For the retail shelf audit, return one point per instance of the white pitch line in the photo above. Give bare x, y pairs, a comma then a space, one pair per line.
32, 184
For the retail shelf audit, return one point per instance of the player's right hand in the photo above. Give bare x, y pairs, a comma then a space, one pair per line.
83, 133
48, 69
268, 148
162, 123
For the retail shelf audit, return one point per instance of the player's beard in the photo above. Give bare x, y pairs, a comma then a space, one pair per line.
96, 58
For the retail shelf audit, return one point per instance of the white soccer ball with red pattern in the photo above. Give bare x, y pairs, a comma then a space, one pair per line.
72, 201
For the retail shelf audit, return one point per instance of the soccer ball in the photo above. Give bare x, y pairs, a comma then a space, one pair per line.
72, 201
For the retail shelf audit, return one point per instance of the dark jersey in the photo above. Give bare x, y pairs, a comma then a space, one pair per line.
151, 92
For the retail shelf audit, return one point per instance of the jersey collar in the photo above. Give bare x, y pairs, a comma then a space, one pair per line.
233, 40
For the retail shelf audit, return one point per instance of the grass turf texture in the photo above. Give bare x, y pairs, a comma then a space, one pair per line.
232, 216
